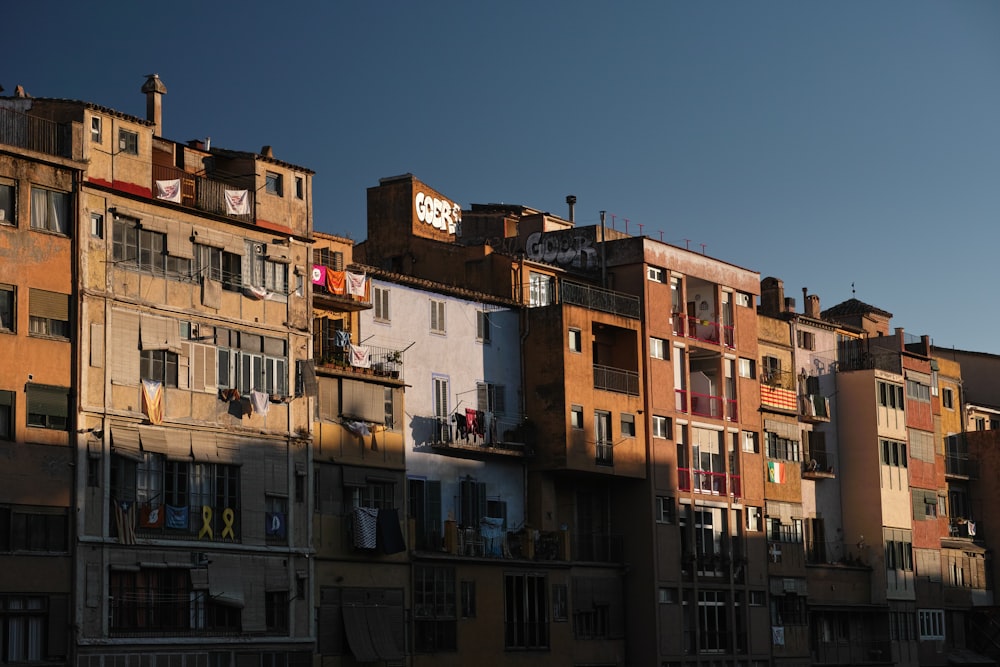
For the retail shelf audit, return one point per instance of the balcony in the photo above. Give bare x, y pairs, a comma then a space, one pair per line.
491, 434
777, 390
603, 300
852, 652
231, 199
382, 362
35, 134
706, 405
703, 481
706, 331
599, 548
616, 379
819, 466
814, 408
962, 527
960, 465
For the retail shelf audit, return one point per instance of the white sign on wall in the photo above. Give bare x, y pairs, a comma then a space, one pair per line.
439, 213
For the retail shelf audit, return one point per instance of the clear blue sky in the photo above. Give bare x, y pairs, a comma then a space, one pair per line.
824, 143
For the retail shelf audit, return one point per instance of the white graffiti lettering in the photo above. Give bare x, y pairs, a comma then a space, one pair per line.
439, 213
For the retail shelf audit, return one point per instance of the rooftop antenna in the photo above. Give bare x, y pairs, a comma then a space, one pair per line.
661, 236
640, 228
626, 224
687, 244
702, 247
612, 221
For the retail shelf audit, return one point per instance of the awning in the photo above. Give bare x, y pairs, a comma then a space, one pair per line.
125, 442
175, 445
224, 583
369, 632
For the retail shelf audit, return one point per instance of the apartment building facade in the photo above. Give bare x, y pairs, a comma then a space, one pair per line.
191, 316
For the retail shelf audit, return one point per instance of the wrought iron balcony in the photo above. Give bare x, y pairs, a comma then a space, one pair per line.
35, 134
616, 380
596, 298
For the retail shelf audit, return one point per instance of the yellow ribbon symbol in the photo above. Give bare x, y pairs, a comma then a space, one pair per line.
206, 523
228, 517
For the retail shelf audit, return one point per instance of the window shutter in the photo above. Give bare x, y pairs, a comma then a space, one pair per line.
433, 519
482, 396
184, 366
96, 345
50, 305
499, 398
53, 401
125, 342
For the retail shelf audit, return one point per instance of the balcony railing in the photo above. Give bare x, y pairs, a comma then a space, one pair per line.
595, 298
509, 434
605, 453
852, 652
598, 547
35, 134
706, 405
962, 527
708, 331
814, 408
960, 465
616, 380
704, 481
819, 465
206, 194
384, 362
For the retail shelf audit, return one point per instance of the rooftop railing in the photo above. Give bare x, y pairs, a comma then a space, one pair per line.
596, 298
35, 134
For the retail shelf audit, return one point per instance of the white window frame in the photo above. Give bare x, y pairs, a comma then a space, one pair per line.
751, 442
748, 368
661, 427
437, 316
665, 510
654, 274
95, 129
930, 624
576, 416
657, 348
575, 340
380, 299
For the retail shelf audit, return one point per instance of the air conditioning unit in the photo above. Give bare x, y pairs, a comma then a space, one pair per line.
259, 248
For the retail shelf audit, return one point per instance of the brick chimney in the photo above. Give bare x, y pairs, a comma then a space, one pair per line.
810, 304
154, 90
772, 296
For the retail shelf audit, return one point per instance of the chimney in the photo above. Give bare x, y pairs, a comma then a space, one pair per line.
154, 90
772, 296
266, 151
811, 307
571, 200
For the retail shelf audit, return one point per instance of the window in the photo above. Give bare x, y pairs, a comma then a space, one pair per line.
300, 187
948, 398
7, 415
890, 395
388, 398
48, 407
576, 416
661, 427
526, 623
665, 509
893, 453
97, 225
95, 129
931, 622
491, 397
48, 314
806, 339
788, 610
128, 142
468, 592
770, 370
654, 274
26, 529
602, 435
158, 365
217, 264
541, 290
918, 391
575, 340
7, 204
483, 326
657, 348
437, 316
751, 442
782, 448
899, 553
273, 184
146, 250
748, 369
8, 318
667, 596
150, 601
433, 609
50, 210
754, 519
560, 602
30, 630
380, 301
628, 425
276, 611
251, 362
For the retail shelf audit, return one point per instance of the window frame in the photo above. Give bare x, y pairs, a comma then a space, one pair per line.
525, 598
159, 366
8, 308
483, 326
438, 321
655, 274
658, 348
380, 304
8, 210
128, 141
661, 427
53, 199
274, 183
48, 395
574, 339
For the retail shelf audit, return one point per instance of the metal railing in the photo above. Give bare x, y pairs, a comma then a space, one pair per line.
616, 380
596, 298
708, 331
704, 481
205, 194
382, 361
35, 134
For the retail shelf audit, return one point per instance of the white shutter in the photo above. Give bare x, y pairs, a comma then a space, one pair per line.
184, 367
